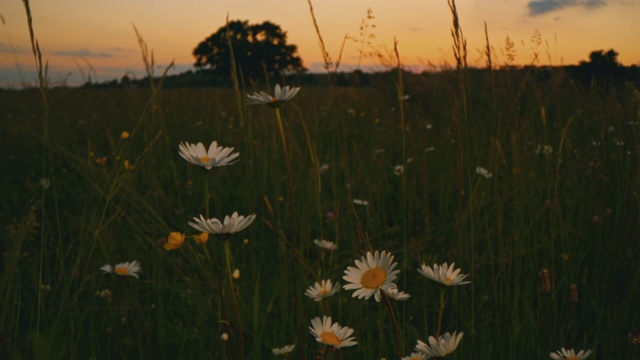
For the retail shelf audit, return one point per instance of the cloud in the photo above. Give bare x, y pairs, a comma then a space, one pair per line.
540, 7
83, 53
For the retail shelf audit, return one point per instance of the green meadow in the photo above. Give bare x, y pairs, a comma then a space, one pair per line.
526, 179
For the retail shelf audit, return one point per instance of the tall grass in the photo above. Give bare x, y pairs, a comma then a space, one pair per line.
550, 241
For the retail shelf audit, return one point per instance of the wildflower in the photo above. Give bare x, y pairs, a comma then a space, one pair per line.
224, 337
127, 165
398, 170
105, 294
323, 168
232, 224
483, 172
281, 96
331, 334
123, 269
360, 202
444, 274
546, 149
321, 290
397, 295
174, 241
445, 345
214, 157
101, 161
124, 135
373, 273
201, 238
415, 356
325, 244
283, 351
45, 183
236, 274
570, 354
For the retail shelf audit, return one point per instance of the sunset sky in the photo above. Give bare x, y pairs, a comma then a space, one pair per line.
79, 37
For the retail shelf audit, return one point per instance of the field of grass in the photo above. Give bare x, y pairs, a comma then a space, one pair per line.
526, 179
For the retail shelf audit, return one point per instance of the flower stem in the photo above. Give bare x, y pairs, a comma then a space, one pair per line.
395, 324
292, 240
440, 312
227, 255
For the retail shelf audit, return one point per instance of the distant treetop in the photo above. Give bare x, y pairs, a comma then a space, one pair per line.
258, 49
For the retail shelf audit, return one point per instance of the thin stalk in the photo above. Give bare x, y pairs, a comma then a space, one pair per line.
291, 208
395, 324
440, 312
227, 255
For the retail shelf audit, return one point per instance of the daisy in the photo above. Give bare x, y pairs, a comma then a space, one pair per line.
232, 224
445, 345
123, 269
214, 157
331, 334
415, 356
483, 172
284, 351
443, 274
570, 354
321, 290
373, 273
175, 240
281, 96
397, 295
325, 244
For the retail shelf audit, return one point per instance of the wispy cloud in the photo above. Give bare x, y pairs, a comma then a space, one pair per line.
83, 53
540, 7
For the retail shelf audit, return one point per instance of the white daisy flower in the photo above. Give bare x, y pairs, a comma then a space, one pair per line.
321, 290
483, 172
326, 244
331, 334
283, 351
214, 157
397, 295
373, 273
570, 354
444, 274
281, 95
445, 345
123, 269
415, 356
232, 224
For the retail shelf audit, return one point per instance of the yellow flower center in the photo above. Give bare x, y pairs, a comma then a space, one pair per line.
323, 291
572, 358
330, 338
122, 270
373, 278
447, 280
205, 159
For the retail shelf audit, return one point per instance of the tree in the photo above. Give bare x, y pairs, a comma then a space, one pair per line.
257, 49
602, 67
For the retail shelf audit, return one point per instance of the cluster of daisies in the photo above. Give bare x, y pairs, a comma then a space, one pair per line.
372, 276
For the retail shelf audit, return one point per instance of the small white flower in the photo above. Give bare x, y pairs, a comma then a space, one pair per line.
323, 168
483, 172
232, 224
331, 334
123, 269
236, 274
281, 95
444, 274
326, 244
372, 274
398, 170
397, 295
214, 157
570, 354
322, 290
360, 202
285, 350
445, 345
415, 356
224, 337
